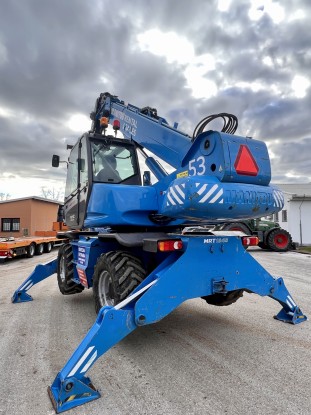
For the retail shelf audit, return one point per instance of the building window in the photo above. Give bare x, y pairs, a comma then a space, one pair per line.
10, 225
284, 215
276, 217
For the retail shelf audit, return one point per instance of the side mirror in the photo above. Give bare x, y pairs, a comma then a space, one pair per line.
55, 161
146, 178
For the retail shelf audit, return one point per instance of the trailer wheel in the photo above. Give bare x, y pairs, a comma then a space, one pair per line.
116, 275
48, 247
279, 240
65, 272
223, 300
30, 250
39, 249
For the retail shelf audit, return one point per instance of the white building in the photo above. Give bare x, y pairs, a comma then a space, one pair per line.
296, 214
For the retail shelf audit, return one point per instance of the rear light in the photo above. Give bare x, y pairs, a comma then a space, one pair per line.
250, 240
170, 245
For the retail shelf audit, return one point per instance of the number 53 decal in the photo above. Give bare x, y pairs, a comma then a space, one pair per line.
197, 166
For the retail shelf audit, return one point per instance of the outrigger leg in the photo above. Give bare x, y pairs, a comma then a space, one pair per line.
71, 387
41, 272
163, 291
290, 312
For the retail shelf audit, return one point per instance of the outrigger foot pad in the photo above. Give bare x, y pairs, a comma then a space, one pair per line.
21, 297
292, 317
72, 392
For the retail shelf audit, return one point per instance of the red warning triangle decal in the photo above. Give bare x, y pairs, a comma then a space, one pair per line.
245, 163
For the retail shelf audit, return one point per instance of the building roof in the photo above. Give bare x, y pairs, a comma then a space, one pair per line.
296, 190
41, 199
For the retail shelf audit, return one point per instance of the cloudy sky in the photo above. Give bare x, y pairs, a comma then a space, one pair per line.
187, 59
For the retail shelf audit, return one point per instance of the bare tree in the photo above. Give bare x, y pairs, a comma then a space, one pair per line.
52, 193
5, 196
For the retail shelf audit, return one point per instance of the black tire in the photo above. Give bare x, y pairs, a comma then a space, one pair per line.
39, 249
65, 272
116, 275
223, 300
30, 250
48, 247
279, 240
263, 245
236, 226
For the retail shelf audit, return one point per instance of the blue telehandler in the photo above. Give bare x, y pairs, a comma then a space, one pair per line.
141, 244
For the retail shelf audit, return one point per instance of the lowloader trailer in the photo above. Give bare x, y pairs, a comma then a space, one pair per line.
27, 246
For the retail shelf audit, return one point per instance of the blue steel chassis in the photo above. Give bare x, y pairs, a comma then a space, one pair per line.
207, 265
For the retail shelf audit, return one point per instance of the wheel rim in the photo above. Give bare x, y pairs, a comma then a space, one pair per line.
40, 248
280, 240
49, 246
31, 250
62, 273
105, 289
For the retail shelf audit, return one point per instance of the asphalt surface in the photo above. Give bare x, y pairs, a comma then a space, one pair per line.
200, 359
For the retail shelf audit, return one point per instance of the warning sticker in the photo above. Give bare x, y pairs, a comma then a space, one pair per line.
182, 174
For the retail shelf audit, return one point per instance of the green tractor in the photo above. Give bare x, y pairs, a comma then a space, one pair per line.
271, 236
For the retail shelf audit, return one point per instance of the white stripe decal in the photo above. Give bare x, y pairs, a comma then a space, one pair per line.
175, 196
217, 196
278, 198
182, 194
200, 191
23, 287
292, 301
76, 367
289, 304
170, 199
92, 359
209, 193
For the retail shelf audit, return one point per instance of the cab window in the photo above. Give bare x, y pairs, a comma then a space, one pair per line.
72, 173
113, 163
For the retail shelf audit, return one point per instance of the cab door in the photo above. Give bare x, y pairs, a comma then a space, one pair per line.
83, 185
76, 185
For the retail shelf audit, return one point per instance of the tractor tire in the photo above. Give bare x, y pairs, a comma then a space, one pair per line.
48, 247
279, 240
236, 226
116, 274
263, 245
65, 272
223, 300
30, 250
39, 249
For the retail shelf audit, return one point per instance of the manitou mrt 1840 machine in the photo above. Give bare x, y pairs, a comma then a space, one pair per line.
128, 238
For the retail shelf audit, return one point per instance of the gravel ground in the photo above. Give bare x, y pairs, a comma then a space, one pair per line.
199, 360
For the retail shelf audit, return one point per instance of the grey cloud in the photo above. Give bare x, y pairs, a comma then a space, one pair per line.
56, 57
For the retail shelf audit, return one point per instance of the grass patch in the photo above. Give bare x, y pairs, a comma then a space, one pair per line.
304, 248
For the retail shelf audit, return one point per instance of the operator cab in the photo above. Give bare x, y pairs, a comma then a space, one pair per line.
97, 161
